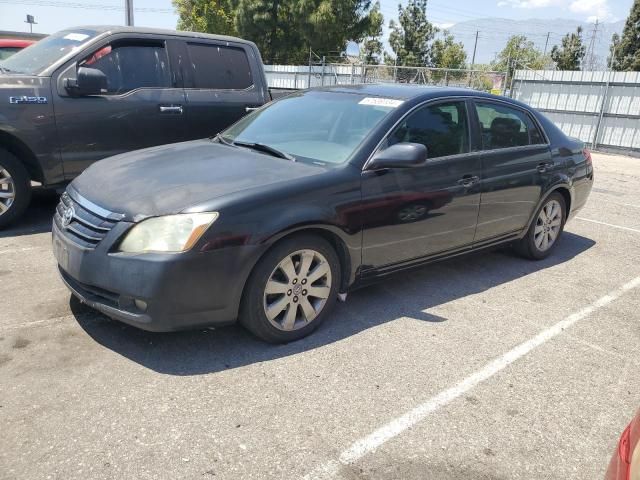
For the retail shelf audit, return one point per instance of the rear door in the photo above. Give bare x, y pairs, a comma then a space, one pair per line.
220, 85
141, 107
409, 213
516, 165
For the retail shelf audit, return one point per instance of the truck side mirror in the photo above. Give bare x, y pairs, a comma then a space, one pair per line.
88, 81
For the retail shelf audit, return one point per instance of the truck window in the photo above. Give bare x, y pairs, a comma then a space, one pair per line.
220, 67
129, 66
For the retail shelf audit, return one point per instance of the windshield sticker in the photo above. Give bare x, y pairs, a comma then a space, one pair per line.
381, 102
77, 37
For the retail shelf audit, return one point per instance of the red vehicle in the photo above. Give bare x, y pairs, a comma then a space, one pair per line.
625, 463
10, 46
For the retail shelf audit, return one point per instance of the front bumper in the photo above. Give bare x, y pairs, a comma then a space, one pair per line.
182, 291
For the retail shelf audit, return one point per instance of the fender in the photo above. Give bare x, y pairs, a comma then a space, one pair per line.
348, 246
560, 182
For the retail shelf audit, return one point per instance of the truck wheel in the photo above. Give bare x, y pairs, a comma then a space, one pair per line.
292, 289
15, 188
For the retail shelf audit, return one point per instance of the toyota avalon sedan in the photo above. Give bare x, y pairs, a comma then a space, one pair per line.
322, 191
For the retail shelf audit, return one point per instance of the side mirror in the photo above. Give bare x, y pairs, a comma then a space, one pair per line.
400, 155
89, 81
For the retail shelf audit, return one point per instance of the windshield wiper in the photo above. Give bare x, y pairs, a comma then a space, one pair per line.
266, 149
7, 70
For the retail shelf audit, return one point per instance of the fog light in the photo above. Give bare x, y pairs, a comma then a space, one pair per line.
140, 304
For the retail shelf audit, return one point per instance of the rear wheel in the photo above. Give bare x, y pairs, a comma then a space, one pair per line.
15, 188
545, 231
292, 289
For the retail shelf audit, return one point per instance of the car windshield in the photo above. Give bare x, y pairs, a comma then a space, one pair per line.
37, 57
316, 126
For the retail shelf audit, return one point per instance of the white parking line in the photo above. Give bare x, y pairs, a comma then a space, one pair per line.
608, 224
371, 442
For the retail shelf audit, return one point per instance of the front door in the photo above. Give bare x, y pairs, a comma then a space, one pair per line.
142, 106
409, 213
516, 164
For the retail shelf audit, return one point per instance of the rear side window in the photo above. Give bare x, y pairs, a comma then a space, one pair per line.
131, 65
442, 128
220, 67
505, 127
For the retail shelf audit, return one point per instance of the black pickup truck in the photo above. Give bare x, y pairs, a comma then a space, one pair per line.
87, 93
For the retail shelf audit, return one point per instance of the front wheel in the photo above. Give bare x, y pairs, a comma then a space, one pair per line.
546, 229
15, 188
292, 289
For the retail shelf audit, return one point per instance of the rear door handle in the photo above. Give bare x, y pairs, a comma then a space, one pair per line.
468, 180
544, 166
176, 109
250, 109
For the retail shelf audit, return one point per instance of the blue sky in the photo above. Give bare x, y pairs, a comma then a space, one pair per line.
53, 15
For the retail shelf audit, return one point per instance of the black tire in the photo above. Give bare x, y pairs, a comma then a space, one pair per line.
527, 245
252, 309
21, 188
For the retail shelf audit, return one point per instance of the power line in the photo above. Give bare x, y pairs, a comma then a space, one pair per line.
84, 6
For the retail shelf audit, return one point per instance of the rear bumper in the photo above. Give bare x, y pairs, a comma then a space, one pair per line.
181, 291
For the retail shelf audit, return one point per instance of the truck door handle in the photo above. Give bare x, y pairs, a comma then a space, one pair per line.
250, 109
177, 109
468, 180
544, 166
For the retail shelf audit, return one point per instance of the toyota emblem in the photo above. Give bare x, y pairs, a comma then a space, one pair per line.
67, 216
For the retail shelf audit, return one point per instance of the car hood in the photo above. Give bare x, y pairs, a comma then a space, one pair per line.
171, 178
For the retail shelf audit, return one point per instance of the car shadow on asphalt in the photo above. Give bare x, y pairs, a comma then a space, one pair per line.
37, 218
404, 295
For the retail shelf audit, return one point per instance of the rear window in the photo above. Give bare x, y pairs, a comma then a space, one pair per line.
220, 67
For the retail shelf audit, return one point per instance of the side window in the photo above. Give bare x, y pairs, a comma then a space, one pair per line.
442, 128
131, 65
220, 67
504, 127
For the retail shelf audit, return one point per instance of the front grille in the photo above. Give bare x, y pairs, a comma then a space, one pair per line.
82, 222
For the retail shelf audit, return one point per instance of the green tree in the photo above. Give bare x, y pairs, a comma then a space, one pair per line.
210, 16
411, 36
626, 56
518, 53
284, 30
447, 53
372, 44
570, 55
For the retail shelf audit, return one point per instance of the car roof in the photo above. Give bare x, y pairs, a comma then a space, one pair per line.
158, 31
416, 93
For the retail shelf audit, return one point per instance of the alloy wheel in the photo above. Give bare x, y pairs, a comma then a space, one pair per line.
7, 190
548, 225
297, 290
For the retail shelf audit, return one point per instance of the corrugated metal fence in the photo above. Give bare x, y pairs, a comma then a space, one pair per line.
600, 108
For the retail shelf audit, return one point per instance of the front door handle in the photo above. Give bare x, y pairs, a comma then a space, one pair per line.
250, 109
544, 166
468, 180
177, 109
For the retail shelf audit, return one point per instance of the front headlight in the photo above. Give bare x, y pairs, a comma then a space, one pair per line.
172, 233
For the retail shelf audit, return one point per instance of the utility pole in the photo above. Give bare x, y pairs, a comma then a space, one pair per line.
546, 44
128, 10
473, 58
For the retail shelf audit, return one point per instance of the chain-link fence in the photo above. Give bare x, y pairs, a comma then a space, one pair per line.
322, 74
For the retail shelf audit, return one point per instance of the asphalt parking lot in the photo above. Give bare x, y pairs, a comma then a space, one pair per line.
485, 367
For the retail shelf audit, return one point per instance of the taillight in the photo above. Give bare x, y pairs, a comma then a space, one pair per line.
587, 155
624, 451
